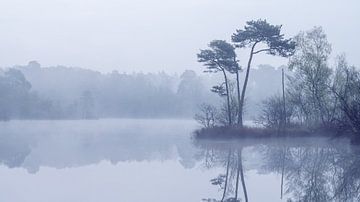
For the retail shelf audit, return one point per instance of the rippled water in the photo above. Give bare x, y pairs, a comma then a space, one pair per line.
157, 160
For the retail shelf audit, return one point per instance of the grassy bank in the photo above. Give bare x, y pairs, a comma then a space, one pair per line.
233, 132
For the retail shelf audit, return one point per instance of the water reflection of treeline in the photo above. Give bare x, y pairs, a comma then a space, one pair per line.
70, 144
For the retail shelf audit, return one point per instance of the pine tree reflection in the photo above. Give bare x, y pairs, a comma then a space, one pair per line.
309, 170
229, 157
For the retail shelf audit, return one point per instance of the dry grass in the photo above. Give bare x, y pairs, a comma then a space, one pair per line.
233, 132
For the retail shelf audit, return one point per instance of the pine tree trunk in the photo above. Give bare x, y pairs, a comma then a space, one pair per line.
227, 97
238, 96
245, 85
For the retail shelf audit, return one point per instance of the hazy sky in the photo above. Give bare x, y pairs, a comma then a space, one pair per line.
153, 35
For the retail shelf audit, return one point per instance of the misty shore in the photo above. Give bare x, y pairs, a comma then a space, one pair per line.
251, 132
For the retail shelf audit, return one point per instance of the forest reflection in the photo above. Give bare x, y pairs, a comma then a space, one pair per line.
294, 169
308, 169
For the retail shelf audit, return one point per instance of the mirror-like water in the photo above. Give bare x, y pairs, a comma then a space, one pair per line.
157, 160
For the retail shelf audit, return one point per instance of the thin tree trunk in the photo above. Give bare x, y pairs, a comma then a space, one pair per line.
226, 176
245, 84
283, 97
237, 175
282, 183
227, 96
242, 176
238, 96
282, 174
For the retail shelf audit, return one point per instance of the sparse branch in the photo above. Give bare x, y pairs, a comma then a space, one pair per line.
262, 50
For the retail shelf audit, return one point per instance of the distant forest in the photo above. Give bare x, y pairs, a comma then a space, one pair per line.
35, 92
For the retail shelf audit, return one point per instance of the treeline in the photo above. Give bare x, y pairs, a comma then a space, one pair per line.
33, 92
16, 99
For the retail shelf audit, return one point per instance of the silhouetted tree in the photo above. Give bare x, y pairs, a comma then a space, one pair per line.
256, 33
221, 57
206, 116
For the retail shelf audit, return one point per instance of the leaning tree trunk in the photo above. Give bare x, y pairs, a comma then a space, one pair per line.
237, 175
245, 85
242, 175
226, 176
239, 119
227, 97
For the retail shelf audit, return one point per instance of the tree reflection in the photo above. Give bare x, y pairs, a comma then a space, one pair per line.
71, 144
231, 159
309, 170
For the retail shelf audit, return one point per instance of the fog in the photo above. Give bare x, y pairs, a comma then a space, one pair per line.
35, 92
151, 36
113, 159
181, 101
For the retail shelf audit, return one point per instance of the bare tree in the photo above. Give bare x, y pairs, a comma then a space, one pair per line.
346, 87
272, 114
207, 115
312, 76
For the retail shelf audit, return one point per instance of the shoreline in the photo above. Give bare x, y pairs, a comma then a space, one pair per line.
233, 132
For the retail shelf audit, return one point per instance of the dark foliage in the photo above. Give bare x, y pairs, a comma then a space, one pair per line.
260, 31
220, 56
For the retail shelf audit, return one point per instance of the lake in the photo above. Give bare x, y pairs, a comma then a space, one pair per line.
137, 160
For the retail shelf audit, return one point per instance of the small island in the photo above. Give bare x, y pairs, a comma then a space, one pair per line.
320, 94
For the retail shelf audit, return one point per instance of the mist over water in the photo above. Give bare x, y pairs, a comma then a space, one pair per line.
113, 159
179, 101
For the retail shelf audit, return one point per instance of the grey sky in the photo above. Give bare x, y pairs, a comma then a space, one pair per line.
144, 35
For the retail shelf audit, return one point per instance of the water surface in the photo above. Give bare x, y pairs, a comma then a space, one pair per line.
157, 160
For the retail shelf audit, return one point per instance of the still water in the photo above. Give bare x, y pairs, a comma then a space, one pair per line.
128, 160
